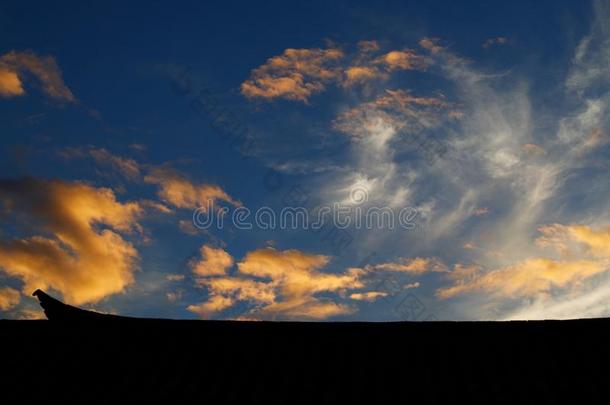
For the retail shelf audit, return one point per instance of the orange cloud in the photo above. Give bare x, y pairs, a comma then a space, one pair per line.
281, 284
298, 74
85, 257
30, 314
10, 84
417, 266
368, 296
530, 278
9, 298
14, 65
585, 251
215, 303
569, 239
178, 191
213, 262
403, 60
360, 74
431, 44
396, 108
294, 75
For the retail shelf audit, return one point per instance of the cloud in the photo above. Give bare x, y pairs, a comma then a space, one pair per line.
187, 227
173, 296
9, 298
80, 251
14, 66
368, 46
177, 190
563, 238
216, 303
590, 69
29, 314
432, 45
585, 251
403, 60
530, 278
369, 296
298, 74
155, 205
415, 266
533, 149
10, 84
495, 41
361, 74
294, 75
213, 262
479, 212
129, 168
397, 109
281, 284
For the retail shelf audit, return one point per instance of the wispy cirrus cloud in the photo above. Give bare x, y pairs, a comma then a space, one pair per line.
415, 266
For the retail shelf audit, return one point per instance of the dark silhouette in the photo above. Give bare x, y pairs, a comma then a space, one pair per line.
56, 310
81, 357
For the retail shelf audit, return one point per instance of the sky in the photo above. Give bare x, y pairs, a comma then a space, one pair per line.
310, 161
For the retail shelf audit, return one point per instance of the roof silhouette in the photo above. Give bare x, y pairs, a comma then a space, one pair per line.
79, 356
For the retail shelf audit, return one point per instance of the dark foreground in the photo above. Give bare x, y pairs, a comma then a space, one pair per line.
211, 362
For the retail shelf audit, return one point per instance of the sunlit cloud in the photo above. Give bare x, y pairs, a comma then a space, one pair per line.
15, 66
361, 74
570, 240
403, 60
369, 296
10, 84
85, 257
530, 278
298, 74
177, 190
291, 281
9, 298
213, 262
294, 75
